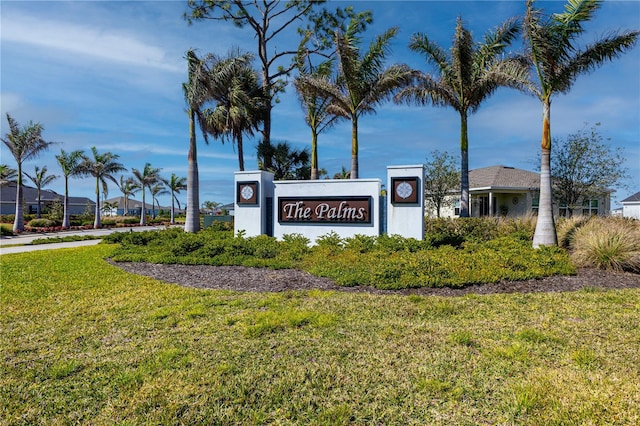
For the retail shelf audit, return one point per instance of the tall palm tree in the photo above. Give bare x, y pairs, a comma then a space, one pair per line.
467, 76
41, 180
102, 167
176, 185
7, 175
195, 95
157, 189
552, 44
24, 143
317, 115
232, 85
362, 83
145, 179
69, 162
128, 187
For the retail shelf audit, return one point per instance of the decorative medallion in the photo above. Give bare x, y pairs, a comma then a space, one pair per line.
246, 192
404, 190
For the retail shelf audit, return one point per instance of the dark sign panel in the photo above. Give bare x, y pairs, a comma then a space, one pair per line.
247, 193
324, 210
404, 190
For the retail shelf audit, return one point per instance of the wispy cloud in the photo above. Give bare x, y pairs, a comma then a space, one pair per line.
99, 43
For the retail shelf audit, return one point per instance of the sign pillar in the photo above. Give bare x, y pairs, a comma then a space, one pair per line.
253, 190
405, 201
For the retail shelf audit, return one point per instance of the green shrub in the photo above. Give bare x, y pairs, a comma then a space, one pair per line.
7, 218
42, 223
108, 222
6, 230
386, 262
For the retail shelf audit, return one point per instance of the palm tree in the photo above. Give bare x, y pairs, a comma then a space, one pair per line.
195, 95
211, 206
287, 162
128, 187
157, 189
239, 100
551, 43
40, 180
342, 174
145, 179
362, 81
468, 75
176, 185
7, 175
102, 167
109, 207
70, 165
25, 144
316, 106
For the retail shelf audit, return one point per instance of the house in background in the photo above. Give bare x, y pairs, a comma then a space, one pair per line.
631, 206
507, 191
77, 205
134, 207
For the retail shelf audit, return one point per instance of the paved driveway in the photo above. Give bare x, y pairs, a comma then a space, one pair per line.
25, 239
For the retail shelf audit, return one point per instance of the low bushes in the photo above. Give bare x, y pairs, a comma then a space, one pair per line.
451, 255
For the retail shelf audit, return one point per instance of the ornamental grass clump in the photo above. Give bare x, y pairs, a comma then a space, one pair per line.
608, 243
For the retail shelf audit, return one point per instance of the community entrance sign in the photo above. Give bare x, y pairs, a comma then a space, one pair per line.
345, 207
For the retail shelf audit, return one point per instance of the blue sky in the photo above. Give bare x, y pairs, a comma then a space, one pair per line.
109, 73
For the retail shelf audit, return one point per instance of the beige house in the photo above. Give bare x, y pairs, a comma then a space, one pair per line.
507, 191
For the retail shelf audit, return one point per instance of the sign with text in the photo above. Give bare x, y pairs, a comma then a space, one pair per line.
332, 210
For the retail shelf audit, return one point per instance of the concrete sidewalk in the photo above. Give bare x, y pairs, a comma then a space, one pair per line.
24, 240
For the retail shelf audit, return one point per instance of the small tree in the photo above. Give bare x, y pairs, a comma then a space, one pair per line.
287, 162
145, 179
211, 206
40, 179
7, 175
583, 166
156, 190
25, 143
441, 178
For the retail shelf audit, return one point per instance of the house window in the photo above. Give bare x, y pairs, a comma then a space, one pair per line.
535, 205
590, 207
456, 210
564, 210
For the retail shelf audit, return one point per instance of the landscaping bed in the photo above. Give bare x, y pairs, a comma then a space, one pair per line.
240, 278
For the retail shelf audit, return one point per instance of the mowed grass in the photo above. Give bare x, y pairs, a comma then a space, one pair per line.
84, 342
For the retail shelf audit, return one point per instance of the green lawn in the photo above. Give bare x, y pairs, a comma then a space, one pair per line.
82, 341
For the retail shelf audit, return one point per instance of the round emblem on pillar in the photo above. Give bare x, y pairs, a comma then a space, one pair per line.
246, 192
404, 190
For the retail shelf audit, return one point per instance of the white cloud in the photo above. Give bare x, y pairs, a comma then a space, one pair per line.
99, 43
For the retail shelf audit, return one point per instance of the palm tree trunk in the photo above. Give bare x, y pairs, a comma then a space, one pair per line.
545, 234
240, 152
192, 221
143, 218
38, 212
18, 222
97, 221
65, 220
314, 155
354, 147
464, 166
173, 218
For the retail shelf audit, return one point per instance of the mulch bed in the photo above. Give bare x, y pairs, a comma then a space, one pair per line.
240, 278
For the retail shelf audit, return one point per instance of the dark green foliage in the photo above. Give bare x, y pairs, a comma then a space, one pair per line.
386, 262
42, 223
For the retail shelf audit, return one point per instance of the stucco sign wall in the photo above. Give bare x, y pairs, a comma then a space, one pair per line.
316, 208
